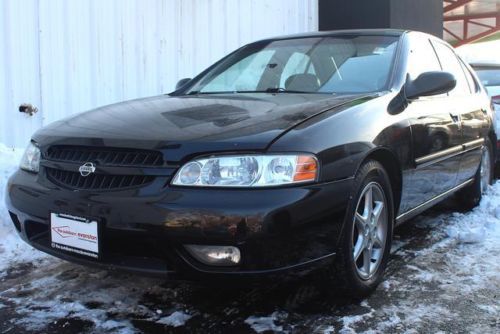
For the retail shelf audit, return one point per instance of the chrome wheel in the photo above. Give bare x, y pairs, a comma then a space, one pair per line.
485, 170
369, 232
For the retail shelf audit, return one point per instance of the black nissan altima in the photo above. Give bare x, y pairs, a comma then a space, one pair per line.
288, 155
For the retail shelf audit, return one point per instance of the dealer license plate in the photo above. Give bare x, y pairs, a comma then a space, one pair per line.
74, 234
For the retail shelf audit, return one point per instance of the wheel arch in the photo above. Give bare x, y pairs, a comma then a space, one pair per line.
391, 164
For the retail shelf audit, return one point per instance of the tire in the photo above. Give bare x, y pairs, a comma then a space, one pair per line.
369, 242
470, 196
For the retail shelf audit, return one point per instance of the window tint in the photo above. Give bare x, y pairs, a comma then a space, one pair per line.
422, 57
449, 62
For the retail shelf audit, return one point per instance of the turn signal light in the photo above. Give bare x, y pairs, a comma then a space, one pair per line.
306, 169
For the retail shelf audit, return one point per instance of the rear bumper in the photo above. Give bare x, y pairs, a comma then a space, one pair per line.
287, 230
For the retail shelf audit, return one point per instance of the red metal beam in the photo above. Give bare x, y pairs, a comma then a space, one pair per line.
455, 4
482, 24
476, 37
487, 15
468, 19
452, 34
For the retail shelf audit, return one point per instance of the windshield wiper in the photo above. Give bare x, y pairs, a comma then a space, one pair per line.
278, 90
268, 90
197, 92
284, 90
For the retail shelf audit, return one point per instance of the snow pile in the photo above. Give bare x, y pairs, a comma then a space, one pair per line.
482, 225
475, 237
12, 248
176, 319
264, 324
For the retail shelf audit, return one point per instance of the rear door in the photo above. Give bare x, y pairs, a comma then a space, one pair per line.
467, 104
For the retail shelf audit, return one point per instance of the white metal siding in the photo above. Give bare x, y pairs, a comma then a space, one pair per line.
70, 56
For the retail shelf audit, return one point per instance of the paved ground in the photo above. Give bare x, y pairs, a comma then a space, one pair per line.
433, 285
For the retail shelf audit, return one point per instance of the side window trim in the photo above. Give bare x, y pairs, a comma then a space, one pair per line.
471, 90
434, 43
436, 54
474, 85
440, 96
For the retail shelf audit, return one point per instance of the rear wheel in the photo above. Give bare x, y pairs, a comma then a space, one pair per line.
366, 237
471, 195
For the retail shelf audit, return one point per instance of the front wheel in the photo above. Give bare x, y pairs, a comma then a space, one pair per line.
366, 237
471, 195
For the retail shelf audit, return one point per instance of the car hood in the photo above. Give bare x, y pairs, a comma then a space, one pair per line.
191, 124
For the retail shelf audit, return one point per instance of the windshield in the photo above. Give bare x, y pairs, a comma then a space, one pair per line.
490, 79
341, 64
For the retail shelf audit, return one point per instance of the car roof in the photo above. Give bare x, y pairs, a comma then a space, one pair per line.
360, 32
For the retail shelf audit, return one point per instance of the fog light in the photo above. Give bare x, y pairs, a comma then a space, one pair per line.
215, 255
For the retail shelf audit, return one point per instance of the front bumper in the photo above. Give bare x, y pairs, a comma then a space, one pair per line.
143, 230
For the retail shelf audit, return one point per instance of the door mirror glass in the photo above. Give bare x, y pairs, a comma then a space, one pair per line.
181, 83
430, 83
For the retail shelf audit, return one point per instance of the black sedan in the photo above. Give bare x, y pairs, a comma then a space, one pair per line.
288, 155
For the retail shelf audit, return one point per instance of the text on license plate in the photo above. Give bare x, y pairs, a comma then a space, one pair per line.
74, 234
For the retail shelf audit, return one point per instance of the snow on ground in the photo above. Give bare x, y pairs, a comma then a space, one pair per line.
176, 319
263, 324
443, 277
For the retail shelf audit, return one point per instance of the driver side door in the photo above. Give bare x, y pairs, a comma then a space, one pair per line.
436, 132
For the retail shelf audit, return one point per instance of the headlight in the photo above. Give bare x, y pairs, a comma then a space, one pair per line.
248, 171
31, 159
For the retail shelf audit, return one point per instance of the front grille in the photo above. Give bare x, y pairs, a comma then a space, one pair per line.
105, 156
102, 157
74, 180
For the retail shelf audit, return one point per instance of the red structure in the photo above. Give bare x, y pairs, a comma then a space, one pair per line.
466, 21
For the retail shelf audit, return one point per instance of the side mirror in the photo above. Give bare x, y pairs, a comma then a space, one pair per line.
181, 83
430, 83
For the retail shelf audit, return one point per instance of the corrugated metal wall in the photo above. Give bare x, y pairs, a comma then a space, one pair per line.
69, 56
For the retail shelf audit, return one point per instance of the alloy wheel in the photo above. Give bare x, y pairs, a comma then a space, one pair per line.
369, 230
